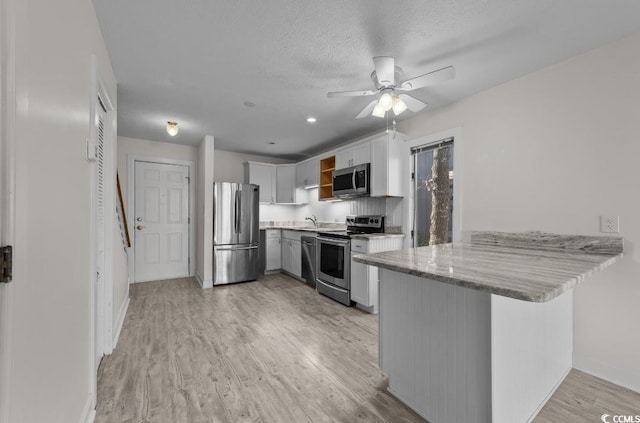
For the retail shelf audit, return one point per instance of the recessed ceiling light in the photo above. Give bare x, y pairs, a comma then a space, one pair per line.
249, 104
311, 119
271, 143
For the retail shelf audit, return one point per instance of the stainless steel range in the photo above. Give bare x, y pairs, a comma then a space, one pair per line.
333, 256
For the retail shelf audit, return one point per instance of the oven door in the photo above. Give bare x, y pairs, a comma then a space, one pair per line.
334, 261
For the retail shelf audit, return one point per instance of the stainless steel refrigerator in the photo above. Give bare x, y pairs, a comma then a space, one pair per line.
236, 233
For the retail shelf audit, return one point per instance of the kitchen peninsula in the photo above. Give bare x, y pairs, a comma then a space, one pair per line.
482, 331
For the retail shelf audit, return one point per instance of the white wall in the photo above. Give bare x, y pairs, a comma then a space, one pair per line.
229, 166
553, 151
51, 368
325, 211
139, 147
204, 212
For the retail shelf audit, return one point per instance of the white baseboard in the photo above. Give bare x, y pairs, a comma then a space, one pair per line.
623, 377
204, 284
88, 412
120, 321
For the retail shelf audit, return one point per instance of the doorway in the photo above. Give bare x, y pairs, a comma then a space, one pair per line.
161, 221
433, 192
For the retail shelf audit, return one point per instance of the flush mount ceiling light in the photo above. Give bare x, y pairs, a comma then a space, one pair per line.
386, 78
311, 120
172, 128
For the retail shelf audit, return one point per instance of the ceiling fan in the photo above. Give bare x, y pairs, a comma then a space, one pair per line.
386, 78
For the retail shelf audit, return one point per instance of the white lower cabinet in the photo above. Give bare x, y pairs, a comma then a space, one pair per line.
291, 253
364, 279
273, 254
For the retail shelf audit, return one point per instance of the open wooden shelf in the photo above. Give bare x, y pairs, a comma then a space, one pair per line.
327, 166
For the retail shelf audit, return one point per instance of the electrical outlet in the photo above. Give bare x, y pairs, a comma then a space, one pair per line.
610, 224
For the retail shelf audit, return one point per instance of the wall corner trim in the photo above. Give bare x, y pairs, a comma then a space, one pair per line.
204, 284
88, 412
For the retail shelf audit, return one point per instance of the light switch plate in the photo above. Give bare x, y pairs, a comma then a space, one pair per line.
610, 224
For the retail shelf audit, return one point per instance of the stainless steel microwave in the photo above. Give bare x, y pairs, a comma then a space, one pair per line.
352, 181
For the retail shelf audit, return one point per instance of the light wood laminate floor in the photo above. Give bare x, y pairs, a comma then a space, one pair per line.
272, 351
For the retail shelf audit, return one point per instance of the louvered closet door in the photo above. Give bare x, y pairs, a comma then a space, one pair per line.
161, 221
101, 116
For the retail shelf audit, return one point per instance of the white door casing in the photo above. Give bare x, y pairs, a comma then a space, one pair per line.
161, 223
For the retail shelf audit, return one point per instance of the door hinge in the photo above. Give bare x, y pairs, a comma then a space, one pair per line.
411, 234
413, 176
6, 263
188, 178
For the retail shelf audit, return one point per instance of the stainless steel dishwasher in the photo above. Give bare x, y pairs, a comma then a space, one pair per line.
308, 256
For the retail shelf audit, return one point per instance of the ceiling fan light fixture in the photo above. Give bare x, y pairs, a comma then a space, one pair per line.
378, 111
172, 128
386, 101
399, 105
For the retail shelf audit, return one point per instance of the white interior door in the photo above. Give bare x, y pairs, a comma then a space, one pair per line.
101, 117
161, 221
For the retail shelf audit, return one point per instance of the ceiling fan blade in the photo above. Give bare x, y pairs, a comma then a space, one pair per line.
427, 79
385, 70
413, 103
367, 110
350, 93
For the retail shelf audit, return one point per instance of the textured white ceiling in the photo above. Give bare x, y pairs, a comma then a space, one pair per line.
199, 61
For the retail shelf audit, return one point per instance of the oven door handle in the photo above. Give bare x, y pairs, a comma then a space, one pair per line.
333, 240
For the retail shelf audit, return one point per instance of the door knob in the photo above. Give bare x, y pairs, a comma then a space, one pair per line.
139, 219
139, 227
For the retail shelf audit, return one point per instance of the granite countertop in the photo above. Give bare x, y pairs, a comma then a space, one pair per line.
531, 266
377, 236
292, 228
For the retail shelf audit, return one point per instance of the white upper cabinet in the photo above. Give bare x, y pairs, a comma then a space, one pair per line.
386, 162
352, 156
285, 183
264, 175
307, 173
361, 154
343, 158
277, 183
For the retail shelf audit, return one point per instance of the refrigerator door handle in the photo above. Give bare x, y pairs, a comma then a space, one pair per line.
253, 247
236, 212
239, 206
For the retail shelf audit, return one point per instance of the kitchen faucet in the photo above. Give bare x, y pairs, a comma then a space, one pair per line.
314, 219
